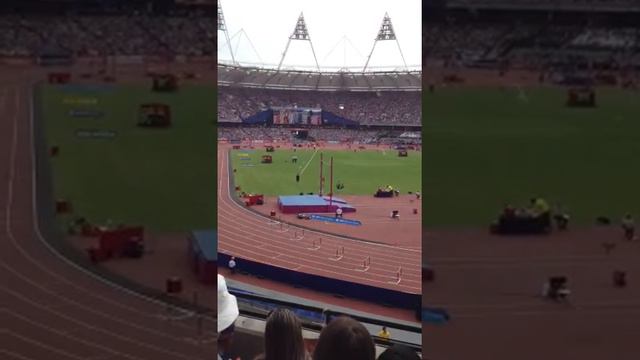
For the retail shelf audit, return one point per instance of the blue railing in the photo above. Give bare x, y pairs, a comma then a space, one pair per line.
308, 314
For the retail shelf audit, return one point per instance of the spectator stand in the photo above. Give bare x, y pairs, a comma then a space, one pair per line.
255, 308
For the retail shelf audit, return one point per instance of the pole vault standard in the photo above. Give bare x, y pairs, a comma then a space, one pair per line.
331, 182
223, 27
321, 178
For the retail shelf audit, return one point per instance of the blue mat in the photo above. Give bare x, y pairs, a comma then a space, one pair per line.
302, 200
206, 243
335, 220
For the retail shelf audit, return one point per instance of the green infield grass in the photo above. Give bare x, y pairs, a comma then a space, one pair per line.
361, 172
487, 147
163, 179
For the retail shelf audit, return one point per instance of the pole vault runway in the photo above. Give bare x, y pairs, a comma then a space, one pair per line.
51, 309
248, 235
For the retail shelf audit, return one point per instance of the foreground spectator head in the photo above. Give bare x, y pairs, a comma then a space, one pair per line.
399, 352
227, 306
283, 337
345, 339
227, 314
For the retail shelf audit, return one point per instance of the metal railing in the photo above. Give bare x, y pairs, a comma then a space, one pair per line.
315, 318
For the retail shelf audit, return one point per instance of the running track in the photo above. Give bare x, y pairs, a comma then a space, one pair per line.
248, 235
51, 309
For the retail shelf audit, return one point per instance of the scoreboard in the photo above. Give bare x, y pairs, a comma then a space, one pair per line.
297, 116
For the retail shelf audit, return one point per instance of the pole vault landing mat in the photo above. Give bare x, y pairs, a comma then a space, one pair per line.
296, 204
335, 220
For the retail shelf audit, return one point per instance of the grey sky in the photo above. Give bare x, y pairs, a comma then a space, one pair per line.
269, 24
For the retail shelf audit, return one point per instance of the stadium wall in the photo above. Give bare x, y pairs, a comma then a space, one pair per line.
327, 285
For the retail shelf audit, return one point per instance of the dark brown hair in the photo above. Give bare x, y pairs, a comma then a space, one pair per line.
283, 337
345, 339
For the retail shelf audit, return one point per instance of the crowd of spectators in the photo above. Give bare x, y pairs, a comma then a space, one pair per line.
319, 134
190, 34
517, 41
254, 133
388, 108
343, 338
566, 4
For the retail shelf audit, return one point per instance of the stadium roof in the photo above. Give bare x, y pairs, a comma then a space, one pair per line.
247, 76
332, 35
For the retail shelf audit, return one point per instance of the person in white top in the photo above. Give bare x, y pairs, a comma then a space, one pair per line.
338, 213
232, 265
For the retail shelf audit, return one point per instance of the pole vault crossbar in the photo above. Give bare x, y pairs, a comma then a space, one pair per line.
321, 178
331, 182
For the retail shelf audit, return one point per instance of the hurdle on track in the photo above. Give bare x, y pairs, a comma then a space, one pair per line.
316, 244
398, 277
366, 264
173, 313
283, 227
297, 235
339, 254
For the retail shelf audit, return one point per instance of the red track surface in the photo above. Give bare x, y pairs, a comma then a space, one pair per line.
49, 308
248, 235
491, 286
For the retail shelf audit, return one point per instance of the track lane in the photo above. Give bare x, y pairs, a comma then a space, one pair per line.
73, 309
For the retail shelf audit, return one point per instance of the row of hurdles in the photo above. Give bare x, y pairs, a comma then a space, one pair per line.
316, 244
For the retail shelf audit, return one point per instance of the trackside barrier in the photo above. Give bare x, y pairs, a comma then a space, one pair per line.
329, 285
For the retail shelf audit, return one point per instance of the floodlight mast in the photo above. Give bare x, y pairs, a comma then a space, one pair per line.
385, 33
239, 34
223, 27
300, 33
